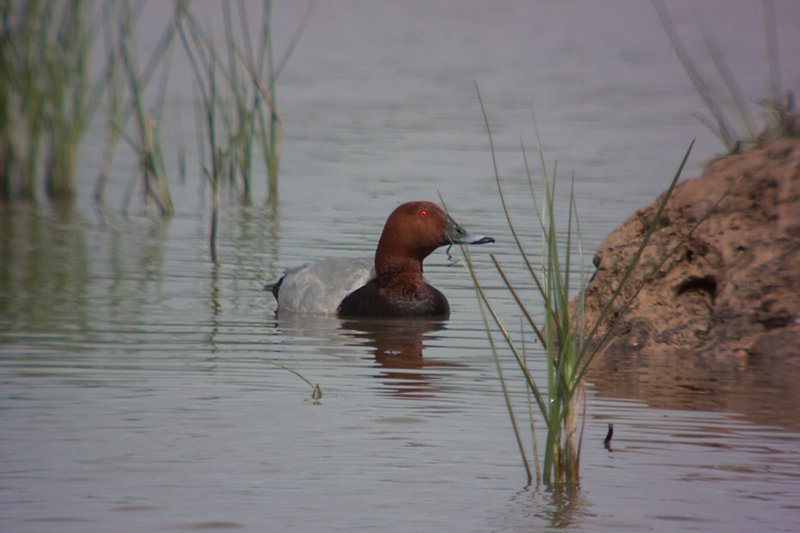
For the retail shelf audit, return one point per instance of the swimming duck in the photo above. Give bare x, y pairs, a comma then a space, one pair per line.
390, 286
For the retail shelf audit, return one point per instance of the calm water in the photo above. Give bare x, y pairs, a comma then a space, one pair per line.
137, 386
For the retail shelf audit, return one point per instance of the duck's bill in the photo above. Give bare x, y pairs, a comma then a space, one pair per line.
455, 234
479, 239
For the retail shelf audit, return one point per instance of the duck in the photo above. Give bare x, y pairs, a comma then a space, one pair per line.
389, 286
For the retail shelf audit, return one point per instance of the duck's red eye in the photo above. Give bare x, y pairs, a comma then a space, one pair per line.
423, 213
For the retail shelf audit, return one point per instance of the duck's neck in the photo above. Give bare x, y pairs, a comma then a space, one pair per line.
399, 272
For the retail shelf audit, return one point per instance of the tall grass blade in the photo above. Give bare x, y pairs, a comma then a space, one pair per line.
295, 38
771, 35
739, 103
724, 130
568, 349
506, 395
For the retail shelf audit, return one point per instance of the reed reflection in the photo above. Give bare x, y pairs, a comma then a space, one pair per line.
245, 232
558, 506
44, 269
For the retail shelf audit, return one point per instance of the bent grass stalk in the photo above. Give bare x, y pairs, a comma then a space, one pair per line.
123, 73
148, 145
316, 391
568, 349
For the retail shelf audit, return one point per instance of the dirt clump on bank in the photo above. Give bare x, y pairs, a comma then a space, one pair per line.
731, 292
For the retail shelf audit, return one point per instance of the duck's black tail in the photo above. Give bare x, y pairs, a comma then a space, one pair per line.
274, 287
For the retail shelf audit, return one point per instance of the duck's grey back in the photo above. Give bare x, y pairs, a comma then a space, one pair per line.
320, 286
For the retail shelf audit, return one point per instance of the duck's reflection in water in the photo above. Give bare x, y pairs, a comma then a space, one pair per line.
398, 346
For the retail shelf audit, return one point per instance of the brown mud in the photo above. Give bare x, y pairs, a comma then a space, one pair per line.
721, 317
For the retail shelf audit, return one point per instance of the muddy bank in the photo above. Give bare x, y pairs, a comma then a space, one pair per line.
727, 303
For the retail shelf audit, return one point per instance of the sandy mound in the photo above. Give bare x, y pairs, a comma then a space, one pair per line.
732, 291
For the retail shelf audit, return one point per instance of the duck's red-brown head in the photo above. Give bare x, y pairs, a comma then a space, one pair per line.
412, 232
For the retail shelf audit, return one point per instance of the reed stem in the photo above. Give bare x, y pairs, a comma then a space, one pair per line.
568, 349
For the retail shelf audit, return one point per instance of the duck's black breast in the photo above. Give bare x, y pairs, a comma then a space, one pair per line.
370, 301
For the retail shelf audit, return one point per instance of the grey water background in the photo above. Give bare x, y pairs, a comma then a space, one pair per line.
134, 391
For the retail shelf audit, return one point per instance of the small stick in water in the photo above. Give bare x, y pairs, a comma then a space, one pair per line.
607, 440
